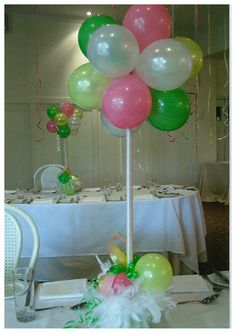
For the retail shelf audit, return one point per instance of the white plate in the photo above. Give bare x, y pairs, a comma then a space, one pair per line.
137, 187
9, 293
48, 191
92, 189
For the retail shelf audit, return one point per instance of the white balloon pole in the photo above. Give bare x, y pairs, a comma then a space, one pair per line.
64, 152
129, 198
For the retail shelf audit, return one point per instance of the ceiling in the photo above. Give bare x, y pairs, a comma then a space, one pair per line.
191, 21
185, 17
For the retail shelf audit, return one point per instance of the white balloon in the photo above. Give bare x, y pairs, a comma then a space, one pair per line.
113, 50
165, 64
112, 129
74, 129
74, 120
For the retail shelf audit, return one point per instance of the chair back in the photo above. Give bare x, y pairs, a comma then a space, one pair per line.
13, 244
45, 178
14, 238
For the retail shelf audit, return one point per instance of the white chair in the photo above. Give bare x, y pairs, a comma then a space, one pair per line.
45, 178
14, 241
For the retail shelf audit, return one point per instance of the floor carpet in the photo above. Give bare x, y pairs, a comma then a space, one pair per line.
217, 238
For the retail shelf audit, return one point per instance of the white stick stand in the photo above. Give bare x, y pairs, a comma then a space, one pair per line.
129, 198
64, 153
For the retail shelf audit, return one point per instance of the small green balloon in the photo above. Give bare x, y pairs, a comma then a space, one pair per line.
52, 111
156, 272
170, 109
63, 131
89, 26
64, 177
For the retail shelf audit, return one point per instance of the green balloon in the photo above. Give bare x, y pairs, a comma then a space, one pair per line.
64, 177
86, 87
52, 111
63, 131
89, 26
156, 271
170, 109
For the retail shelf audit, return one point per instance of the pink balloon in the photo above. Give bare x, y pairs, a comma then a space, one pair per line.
51, 127
67, 109
148, 23
127, 101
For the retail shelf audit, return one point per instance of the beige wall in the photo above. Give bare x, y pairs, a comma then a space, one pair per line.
94, 155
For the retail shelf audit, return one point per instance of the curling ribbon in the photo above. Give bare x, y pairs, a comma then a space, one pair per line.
116, 11
58, 144
210, 134
87, 317
129, 270
119, 259
171, 137
173, 21
117, 256
38, 93
138, 150
225, 113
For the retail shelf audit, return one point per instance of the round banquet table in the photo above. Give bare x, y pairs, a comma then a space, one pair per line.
170, 224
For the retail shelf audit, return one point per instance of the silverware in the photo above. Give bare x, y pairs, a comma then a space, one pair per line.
206, 300
79, 305
215, 286
222, 276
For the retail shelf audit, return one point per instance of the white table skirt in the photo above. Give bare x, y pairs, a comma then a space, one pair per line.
214, 182
174, 224
190, 315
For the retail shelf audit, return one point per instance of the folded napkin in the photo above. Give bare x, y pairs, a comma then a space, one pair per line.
62, 289
92, 189
10, 191
188, 284
141, 196
117, 196
188, 288
59, 293
46, 200
92, 198
216, 279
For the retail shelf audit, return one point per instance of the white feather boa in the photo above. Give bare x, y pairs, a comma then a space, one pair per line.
132, 308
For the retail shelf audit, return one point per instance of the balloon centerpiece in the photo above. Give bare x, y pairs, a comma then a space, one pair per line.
126, 295
64, 119
68, 183
134, 74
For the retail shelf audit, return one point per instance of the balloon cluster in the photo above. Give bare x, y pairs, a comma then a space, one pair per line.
64, 119
155, 269
135, 70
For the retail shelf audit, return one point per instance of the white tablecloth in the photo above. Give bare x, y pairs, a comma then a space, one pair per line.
190, 315
173, 224
214, 182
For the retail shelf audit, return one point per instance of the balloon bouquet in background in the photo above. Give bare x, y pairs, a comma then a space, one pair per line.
134, 74
64, 119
